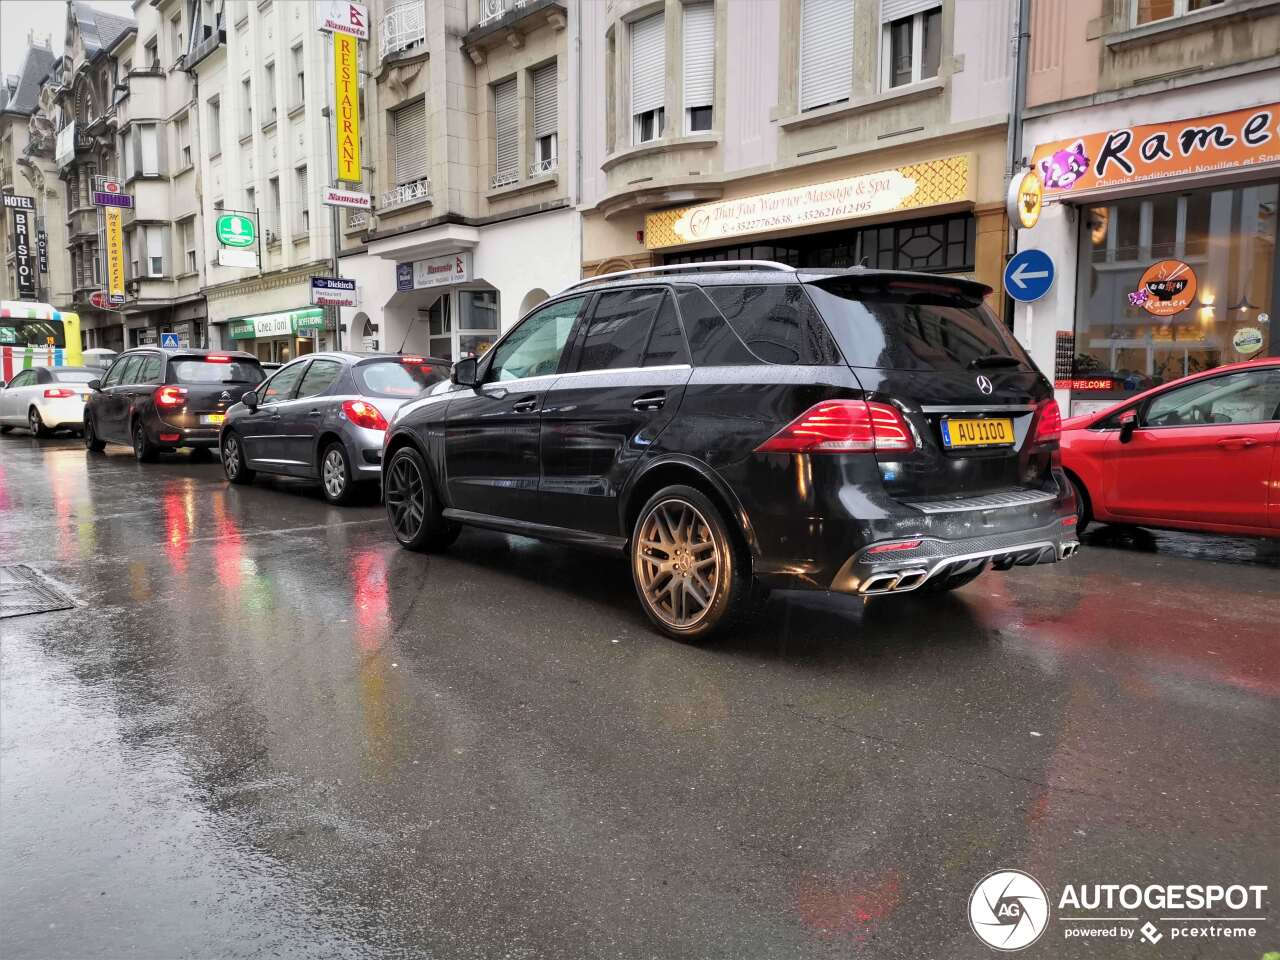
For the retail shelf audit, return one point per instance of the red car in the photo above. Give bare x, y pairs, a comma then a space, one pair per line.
1200, 453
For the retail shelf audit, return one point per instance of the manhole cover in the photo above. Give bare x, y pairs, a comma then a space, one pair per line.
24, 591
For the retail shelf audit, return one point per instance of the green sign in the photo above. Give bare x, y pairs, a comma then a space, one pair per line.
296, 322
236, 230
8, 335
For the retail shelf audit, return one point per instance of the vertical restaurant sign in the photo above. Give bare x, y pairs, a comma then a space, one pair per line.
23, 262
346, 98
1220, 143
115, 254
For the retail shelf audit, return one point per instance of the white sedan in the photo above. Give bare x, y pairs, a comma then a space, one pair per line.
44, 399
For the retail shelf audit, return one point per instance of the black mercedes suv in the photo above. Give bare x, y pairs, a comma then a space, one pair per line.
737, 426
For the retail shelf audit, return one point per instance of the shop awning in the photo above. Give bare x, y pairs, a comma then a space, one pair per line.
302, 321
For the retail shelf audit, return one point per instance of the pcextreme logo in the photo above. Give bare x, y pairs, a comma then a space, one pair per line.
1010, 910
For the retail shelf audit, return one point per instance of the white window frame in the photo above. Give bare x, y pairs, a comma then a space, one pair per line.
655, 114
182, 133
708, 5
1181, 8
298, 83
187, 233
269, 92
214, 105
836, 55
246, 108
510, 173
917, 50
302, 180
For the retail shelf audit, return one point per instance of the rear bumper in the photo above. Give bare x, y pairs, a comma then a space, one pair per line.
163, 432
65, 412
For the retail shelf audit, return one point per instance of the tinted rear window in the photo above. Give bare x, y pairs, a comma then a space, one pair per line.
912, 326
203, 371
395, 378
75, 376
777, 322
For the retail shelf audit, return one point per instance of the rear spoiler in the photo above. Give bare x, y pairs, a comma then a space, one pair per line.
895, 284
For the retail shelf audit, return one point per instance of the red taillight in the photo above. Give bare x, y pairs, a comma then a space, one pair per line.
58, 393
171, 396
894, 547
364, 414
1048, 423
843, 426
413, 359
216, 358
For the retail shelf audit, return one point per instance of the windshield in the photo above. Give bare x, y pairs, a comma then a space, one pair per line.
34, 333
204, 371
398, 378
74, 376
914, 326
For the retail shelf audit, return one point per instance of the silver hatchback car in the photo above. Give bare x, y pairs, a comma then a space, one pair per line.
323, 416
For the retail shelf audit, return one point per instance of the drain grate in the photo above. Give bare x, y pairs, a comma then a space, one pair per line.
24, 591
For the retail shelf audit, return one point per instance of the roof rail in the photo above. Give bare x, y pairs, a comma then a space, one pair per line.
687, 268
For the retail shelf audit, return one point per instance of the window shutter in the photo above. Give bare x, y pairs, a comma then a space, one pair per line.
409, 131
699, 55
891, 10
826, 52
155, 250
648, 64
545, 118
506, 128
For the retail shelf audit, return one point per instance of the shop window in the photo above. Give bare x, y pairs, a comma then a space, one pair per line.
440, 329
1149, 11
1218, 242
478, 311
911, 42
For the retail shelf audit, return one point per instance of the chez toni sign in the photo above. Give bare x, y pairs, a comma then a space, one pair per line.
1248, 138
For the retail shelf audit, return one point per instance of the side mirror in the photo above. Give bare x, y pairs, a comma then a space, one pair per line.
1128, 423
95, 384
466, 372
250, 399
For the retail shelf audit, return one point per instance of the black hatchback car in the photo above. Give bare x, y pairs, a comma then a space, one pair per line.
733, 425
154, 399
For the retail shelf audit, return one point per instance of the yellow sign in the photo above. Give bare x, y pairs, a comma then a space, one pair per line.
932, 183
346, 96
1030, 199
115, 252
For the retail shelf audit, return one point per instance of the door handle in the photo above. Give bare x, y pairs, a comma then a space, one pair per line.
650, 401
525, 406
1237, 443
314, 413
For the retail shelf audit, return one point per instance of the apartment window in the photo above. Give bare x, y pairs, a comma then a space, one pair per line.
153, 55
269, 94
699, 65
188, 234
246, 107
141, 147
648, 77
912, 41
250, 199
215, 126
303, 202
183, 132
1149, 11
96, 262
155, 235
126, 151
409, 142
299, 77
133, 251
175, 38
273, 208
506, 134
826, 52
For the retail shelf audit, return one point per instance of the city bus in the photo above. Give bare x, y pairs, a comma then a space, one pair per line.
37, 335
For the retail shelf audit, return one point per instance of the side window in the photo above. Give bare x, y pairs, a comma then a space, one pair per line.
116, 372
777, 322
280, 387
1251, 396
26, 378
666, 342
152, 368
619, 329
131, 369
711, 339
319, 377
534, 347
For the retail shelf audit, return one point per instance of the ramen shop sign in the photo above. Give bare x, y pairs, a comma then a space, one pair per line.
1248, 138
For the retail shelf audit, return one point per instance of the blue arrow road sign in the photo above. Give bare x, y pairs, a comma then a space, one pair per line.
1028, 275
169, 341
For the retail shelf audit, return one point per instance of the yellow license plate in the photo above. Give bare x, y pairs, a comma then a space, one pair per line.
213, 418
990, 432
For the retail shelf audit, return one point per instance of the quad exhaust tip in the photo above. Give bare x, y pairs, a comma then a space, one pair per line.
894, 581
902, 581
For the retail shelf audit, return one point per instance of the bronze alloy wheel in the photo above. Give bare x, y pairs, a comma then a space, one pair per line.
678, 563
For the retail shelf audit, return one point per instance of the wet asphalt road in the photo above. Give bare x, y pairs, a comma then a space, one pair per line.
268, 731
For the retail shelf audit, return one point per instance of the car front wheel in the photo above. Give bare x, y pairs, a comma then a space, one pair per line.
690, 578
413, 510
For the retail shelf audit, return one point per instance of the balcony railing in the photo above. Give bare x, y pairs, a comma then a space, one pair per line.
493, 10
403, 28
504, 179
357, 219
405, 193
540, 168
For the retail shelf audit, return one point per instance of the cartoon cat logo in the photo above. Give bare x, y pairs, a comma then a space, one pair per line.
1065, 167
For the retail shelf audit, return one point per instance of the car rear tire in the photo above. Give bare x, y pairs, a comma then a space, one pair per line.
233, 464
91, 441
689, 573
413, 509
955, 581
335, 474
1082, 506
35, 424
144, 451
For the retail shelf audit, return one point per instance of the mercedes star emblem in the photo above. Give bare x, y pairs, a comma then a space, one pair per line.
985, 385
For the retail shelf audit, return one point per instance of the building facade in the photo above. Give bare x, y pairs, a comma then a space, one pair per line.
474, 221
261, 76
811, 132
1155, 127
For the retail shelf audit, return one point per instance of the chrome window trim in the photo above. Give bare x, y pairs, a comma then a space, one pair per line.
979, 408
